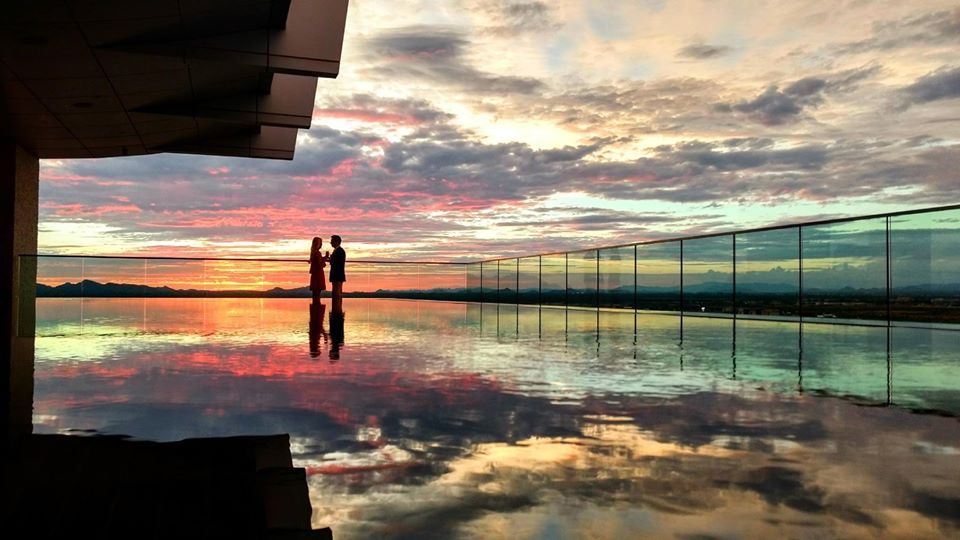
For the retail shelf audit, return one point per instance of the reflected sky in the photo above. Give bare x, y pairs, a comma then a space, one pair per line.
439, 420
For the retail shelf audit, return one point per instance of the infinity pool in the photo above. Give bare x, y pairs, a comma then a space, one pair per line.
451, 420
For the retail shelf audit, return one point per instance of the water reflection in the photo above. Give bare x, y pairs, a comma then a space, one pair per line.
461, 420
336, 333
316, 330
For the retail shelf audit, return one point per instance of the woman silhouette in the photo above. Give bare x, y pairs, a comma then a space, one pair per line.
318, 261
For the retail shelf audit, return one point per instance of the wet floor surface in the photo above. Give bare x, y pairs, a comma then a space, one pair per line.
438, 420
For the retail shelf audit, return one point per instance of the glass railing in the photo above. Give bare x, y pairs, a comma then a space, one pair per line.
898, 269
892, 269
138, 278
104, 276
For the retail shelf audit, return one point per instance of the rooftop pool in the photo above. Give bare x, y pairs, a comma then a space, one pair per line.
419, 419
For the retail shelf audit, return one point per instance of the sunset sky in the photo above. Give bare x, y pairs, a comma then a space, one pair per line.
469, 129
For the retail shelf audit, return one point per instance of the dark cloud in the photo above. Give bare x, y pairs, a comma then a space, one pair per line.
593, 217
702, 51
622, 109
515, 17
438, 55
941, 84
743, 154
929, 29
776, 106
849, 79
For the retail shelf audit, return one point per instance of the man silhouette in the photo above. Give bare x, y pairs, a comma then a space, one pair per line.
338, 261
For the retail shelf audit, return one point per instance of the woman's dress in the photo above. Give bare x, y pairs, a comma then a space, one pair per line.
318, 282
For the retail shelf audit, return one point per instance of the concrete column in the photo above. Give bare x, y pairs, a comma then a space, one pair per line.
19, 186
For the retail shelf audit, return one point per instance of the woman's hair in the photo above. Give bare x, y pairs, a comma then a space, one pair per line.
317, 242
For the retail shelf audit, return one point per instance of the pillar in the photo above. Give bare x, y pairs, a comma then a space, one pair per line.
19, 186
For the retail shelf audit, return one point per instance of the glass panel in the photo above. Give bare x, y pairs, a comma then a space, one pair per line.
768, 352
528, 321
292, 279
582, 327
616, 331
658, 277
582, 278
553, 321
441, 282
707, 346
363, 277
184, 280
617, 277
489, 318
925, 267
473, 316
529, 289
185, 277
844, 271
845, 360
507, 323
926, 368
473, 282
59, 300
508, 282
226, 278
112, 278
768, 273
553, 280
708, 275
390, 280
489, 285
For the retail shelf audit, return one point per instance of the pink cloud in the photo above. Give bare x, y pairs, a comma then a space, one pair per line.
76, 209
47, 177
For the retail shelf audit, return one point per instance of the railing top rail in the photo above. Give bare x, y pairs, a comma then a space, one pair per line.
741, 231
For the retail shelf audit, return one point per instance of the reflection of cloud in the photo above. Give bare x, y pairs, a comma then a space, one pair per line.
463, 436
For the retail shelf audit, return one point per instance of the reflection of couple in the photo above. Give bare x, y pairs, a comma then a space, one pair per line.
318, 261
316, 331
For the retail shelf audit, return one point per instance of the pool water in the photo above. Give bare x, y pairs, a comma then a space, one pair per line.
418, 419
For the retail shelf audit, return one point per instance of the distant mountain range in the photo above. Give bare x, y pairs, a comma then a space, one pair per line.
90, 288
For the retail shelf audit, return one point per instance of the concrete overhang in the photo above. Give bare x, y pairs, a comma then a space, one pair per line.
102, 78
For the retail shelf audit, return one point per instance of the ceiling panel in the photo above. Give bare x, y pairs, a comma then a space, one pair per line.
87, 78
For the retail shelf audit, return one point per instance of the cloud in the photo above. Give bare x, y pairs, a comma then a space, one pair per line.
775, 106
941, 84
929, 29
438, 55
378, 110
512, 18
702, 51
744, 154
437, 189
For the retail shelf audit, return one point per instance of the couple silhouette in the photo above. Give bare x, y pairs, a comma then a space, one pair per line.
318, 261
